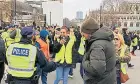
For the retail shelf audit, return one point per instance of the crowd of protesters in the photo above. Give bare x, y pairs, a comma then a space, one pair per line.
103, 53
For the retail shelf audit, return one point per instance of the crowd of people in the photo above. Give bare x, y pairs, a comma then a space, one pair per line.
103, 53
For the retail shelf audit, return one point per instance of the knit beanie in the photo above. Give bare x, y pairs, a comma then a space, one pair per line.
89, 26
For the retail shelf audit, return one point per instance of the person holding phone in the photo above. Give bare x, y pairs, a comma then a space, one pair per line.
64, 47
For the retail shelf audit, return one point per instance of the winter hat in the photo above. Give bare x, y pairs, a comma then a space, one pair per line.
89, 26
44, 33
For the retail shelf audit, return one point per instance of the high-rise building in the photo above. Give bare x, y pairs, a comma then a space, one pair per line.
79, 15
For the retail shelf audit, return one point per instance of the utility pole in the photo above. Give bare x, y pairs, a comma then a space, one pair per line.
1, 13
100, 15
50, 18
45, 20
15, 9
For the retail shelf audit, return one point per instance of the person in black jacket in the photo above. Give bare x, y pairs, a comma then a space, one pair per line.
127, 40
2, 58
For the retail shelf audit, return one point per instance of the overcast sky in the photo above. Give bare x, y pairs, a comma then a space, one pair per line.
71, 6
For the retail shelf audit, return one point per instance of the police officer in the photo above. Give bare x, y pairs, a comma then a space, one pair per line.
23, 59
7, 36
15, 34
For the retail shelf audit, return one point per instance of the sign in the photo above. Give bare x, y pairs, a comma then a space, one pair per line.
20, 52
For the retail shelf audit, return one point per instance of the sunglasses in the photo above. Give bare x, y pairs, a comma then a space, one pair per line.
116, 39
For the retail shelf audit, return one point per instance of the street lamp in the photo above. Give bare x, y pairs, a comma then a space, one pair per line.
50, 18
15, 8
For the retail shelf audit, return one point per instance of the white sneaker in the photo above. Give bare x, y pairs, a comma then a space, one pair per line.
70, 76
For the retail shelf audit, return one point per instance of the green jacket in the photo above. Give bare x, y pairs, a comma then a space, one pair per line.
100, 60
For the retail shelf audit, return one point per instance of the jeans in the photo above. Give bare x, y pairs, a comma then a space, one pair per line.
71, 71
44, 77
43, 74
62, 72
118, 80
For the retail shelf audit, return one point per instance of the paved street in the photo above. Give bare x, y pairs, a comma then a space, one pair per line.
133, 73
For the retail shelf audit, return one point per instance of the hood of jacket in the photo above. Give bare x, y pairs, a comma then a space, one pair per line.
102, 34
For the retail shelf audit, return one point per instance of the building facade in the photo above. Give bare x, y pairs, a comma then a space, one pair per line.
79, 15
20, 12
54, 13
127, 17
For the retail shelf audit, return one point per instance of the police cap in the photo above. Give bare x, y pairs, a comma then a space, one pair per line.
27, 31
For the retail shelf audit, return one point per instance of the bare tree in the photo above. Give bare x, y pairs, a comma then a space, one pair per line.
5, 10
112, 7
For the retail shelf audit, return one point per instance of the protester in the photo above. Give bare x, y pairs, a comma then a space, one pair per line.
127, 40
123, 57
139, 41
134, 44
43, 44
81, 52
64, 47
99, 59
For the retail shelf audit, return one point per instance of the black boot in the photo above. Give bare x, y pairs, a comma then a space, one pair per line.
130, 65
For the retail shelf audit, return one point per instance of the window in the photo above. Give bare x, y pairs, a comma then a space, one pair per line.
128, 18
134, 17
137, 17
131, 24
107, 24
119, 24
138, 24
124, 17
125, 24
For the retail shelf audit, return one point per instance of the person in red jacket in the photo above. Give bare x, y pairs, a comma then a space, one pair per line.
43, 44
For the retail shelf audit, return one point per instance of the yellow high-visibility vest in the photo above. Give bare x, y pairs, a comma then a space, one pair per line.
9, 40
65, 53
18, 35
4, 35
21, 60
135, 43
81, 47
122, 54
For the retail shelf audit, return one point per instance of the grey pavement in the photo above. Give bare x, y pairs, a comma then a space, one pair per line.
134, 73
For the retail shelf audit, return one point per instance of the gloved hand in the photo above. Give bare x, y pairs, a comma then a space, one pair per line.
58, 63
52, 66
